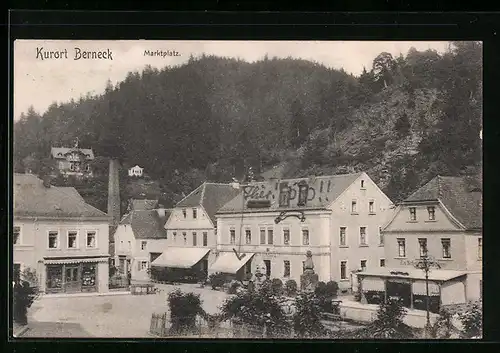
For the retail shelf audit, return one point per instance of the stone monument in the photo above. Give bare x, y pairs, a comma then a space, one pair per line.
260, 275
309, 279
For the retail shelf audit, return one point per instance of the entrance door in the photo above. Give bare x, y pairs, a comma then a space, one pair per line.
401, 290
268, 268
72, 279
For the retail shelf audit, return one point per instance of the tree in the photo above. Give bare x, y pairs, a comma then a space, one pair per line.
25, 292
402, 125
184, 307
472, 320
383, 67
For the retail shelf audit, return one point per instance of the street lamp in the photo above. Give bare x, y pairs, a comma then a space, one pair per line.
425, 263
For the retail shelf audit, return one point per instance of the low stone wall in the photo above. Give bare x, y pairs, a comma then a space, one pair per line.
368, 312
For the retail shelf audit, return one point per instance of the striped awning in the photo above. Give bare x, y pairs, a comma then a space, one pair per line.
229, 263
74, 260
373, 284
178, 257
418, 287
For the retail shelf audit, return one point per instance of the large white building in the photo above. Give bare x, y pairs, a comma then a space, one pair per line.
338, 218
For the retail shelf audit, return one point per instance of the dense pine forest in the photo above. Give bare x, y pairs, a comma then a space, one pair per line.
403, 120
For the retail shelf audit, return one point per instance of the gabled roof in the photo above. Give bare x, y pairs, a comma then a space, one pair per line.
460, 195
33, 199
323, 190
211, 196
146, 224
72, 192
60, 152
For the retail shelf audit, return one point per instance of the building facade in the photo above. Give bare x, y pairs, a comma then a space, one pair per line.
337, 218
442, 219
62, 238
192, 223
73, 161
140, 238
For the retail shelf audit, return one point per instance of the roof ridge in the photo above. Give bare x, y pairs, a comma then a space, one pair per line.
439, 194
192, 192
211, 183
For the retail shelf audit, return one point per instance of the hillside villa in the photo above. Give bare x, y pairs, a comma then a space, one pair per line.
73, 161
62, 238
276, 222
442, 219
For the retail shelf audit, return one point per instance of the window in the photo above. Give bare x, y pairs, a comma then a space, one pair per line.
53, 239
144, 244
362, 184
174, 235
302, 195
270, 239
363, 265
286, 266
205, 239
362, 235
382, 262
195, 239
305, 236
286, 236
284, 200
262, 236
422, 246
401, 247
432, 213
184, 214
354, 206
184, 236
16, 233
328, 187
72, 242
480, 248
446, 243
343, 270
232, 236
413, 214
194, 213
143, 265
129, 245
248, 236
342, 236
92, 241
381, 236
371, 207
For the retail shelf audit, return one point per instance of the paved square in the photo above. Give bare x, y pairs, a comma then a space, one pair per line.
116, 315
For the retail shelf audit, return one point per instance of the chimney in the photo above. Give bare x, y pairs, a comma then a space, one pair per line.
114, 192
161, 211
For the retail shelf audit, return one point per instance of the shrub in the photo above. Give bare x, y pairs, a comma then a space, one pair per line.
216, 280
307, 318
183, 310
290, 287
233, 287
320, 289
472, 320
277, 286
332, 289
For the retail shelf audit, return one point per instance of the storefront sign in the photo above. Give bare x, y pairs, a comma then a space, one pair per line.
442, 264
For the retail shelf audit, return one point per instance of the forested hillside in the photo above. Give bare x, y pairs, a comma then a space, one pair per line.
403, 120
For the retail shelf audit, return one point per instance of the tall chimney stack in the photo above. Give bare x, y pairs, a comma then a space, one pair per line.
114, 192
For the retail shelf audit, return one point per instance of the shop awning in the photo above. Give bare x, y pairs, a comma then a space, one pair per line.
229, 263
412, 273
178, 257
74, 260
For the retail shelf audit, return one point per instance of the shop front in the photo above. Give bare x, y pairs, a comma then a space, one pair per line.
411, 287
75, 275
235, 266
184, 264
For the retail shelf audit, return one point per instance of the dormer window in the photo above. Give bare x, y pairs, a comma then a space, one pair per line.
303, 189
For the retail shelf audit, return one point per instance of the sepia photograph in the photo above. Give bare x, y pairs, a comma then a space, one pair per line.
169, 189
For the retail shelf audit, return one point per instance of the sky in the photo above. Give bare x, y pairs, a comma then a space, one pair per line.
40, 82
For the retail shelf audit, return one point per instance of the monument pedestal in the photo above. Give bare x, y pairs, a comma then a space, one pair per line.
308, 281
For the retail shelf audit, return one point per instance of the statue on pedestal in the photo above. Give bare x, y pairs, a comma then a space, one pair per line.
260, 275
309, 279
